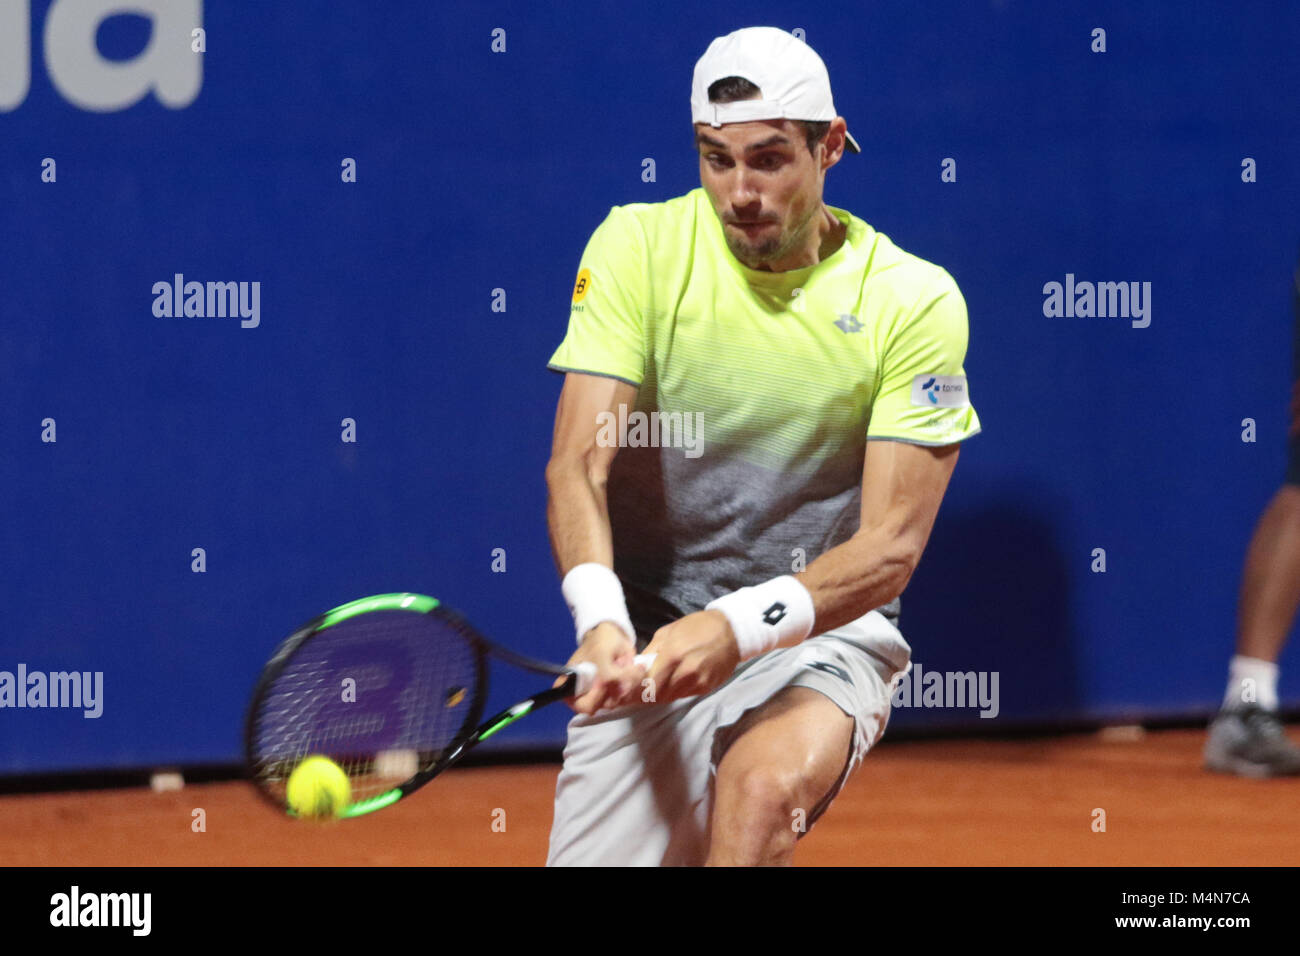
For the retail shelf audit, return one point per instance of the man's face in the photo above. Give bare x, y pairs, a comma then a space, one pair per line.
764, 185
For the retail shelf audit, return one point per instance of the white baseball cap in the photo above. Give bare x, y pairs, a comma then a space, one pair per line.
790, 75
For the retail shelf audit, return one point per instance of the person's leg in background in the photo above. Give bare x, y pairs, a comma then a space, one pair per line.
1246, 736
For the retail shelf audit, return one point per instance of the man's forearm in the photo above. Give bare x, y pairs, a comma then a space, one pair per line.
582, 544
868, 570
577, 516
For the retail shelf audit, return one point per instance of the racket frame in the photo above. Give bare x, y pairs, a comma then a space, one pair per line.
473, 729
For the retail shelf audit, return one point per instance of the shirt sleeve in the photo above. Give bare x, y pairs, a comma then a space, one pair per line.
606, 314
923, 397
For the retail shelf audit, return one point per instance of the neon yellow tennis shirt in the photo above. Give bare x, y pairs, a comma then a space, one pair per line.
757, 393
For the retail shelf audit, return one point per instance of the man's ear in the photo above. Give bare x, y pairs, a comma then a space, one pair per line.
827, 162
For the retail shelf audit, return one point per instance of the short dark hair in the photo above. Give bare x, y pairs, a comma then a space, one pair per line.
729, 89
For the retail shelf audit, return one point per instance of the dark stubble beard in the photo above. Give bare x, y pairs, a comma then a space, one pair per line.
767, 250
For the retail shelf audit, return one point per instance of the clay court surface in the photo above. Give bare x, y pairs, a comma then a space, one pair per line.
1027, 802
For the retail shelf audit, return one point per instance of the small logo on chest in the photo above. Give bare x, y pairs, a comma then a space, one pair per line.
848, 323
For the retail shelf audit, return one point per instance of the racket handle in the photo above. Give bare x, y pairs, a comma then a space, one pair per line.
586, 672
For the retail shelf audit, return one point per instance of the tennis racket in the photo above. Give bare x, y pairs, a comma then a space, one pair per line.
391, 688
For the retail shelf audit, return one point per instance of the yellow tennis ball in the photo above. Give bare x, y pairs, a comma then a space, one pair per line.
318, 788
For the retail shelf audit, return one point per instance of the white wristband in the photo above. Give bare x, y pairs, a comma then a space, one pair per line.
767, 616
594, 594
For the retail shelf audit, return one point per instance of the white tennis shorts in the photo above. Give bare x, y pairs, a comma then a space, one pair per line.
636, 788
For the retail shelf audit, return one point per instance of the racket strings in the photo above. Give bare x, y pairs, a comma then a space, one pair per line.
382, 694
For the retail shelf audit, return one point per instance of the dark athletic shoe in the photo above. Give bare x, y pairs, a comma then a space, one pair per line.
1250, 742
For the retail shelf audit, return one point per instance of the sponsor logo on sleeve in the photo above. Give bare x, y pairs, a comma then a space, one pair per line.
940, 391
581, 286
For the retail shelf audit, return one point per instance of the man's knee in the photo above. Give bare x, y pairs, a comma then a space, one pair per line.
760, 793
788, 762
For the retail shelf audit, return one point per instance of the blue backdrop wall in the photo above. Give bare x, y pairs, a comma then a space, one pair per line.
481, 170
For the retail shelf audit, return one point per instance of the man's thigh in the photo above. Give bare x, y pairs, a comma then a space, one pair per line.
783, 763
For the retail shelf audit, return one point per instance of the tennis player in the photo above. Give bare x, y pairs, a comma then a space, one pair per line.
761, 410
